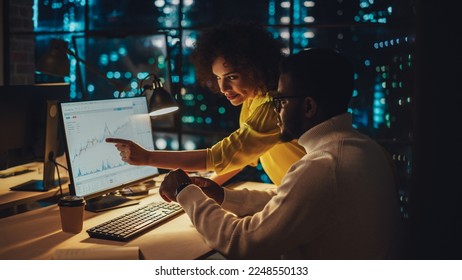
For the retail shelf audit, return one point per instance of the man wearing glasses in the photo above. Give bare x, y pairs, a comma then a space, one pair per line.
338, 202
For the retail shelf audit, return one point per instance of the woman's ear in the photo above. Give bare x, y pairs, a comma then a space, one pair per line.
311, 107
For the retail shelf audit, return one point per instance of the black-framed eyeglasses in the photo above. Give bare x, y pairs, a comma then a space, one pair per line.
277, 101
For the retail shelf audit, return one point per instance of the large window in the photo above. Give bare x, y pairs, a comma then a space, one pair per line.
121, 39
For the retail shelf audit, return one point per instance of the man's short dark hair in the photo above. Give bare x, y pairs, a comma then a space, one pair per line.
323, 74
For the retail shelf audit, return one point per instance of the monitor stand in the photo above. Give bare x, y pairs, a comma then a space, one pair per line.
108, 201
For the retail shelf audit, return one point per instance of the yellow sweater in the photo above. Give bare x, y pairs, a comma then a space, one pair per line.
256, 138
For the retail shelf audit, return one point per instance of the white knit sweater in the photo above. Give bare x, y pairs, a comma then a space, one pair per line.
338, 202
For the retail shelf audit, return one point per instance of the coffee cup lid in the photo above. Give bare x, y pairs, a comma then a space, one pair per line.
71, 200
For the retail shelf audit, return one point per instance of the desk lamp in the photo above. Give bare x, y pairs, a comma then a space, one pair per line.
56, 62
161, 101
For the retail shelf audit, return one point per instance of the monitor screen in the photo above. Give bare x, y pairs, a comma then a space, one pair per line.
95, 167
31, 131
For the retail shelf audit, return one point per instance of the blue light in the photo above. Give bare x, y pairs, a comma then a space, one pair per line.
188, 119
175, 79
271, 8
114, 56
378, 94
104, 59
297, 11
377, 102
56, 6
72, 77
90, 88
188, 96
122, 51
142, 75
271, 12
378, 119
264, 178
378, 111
35, 10
74, 26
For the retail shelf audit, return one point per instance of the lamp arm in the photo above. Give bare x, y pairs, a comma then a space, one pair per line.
93, 69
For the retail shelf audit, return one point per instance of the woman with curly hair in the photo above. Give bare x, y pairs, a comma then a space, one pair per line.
241, 60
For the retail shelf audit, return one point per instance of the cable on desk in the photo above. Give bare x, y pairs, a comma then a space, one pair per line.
59, 177
59, 164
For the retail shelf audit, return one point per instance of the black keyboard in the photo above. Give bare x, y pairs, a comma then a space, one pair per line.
135, 222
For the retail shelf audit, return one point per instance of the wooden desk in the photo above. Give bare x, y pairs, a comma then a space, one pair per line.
36, 234
10, 199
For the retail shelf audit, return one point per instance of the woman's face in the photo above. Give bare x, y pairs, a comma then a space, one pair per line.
236, 86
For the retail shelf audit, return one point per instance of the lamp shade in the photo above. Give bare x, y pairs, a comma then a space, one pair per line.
55, 61
161, 101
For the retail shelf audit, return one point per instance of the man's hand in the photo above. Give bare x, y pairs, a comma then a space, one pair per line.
210, 188
177, 177
171, 182
130, 152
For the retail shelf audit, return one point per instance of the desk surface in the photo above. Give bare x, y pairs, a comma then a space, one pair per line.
37, 234
9, 198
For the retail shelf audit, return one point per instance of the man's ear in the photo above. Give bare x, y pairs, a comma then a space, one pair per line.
311, 107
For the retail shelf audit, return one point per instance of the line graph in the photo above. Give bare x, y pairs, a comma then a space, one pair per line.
97, 140
96, 166
89, 154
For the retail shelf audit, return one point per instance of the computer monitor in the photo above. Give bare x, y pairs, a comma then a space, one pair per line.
30, 128
95, 167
